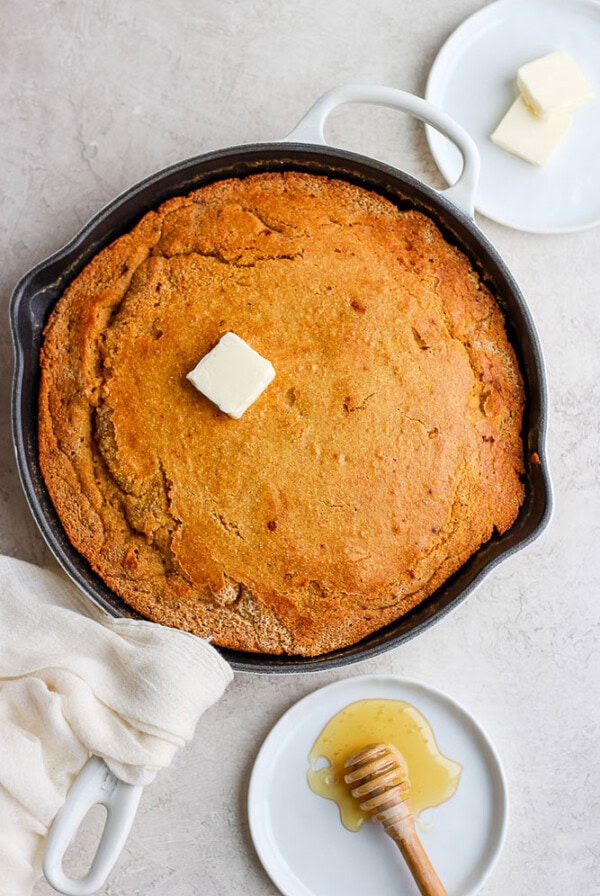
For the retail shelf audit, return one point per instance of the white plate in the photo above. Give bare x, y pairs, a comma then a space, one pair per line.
473, 79
299, 837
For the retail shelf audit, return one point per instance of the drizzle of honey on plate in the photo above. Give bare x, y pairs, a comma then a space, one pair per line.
433, 776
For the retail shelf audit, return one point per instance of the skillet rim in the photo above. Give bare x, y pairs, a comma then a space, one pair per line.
38, 290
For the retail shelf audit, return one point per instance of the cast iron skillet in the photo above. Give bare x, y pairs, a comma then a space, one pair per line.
304, 149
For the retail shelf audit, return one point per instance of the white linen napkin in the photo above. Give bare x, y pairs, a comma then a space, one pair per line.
74, 682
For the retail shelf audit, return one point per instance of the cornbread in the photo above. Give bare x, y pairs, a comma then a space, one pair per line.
384, 453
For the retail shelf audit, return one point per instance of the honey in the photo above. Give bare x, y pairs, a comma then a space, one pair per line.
433, 776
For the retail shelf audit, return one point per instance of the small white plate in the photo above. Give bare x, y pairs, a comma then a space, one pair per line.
473, 79
299, 837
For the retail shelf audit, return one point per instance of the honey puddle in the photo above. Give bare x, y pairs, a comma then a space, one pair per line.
433, 776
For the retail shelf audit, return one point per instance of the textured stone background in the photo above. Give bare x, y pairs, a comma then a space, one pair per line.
96, 94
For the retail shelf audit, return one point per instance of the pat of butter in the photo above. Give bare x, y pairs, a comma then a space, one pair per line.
554, 83
232, 375
524, 134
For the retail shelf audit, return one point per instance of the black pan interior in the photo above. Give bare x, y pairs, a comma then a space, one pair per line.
38, 291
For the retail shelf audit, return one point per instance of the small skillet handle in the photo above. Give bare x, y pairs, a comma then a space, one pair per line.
94, 784
310, 130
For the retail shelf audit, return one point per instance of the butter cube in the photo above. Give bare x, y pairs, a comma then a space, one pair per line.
524, 134
232, 375
554, 83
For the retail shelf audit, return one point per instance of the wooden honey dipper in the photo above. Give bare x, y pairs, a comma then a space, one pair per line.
378, 780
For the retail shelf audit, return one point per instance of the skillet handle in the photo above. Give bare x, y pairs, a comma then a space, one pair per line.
310, 130
94, 784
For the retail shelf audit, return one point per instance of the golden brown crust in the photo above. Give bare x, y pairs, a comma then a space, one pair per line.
384, 453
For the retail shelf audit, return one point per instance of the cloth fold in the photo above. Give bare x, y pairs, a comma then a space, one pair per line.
74, 682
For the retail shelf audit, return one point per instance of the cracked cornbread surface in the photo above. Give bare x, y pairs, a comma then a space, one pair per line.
384, 453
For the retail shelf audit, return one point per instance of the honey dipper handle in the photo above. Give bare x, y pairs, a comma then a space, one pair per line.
405, 835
